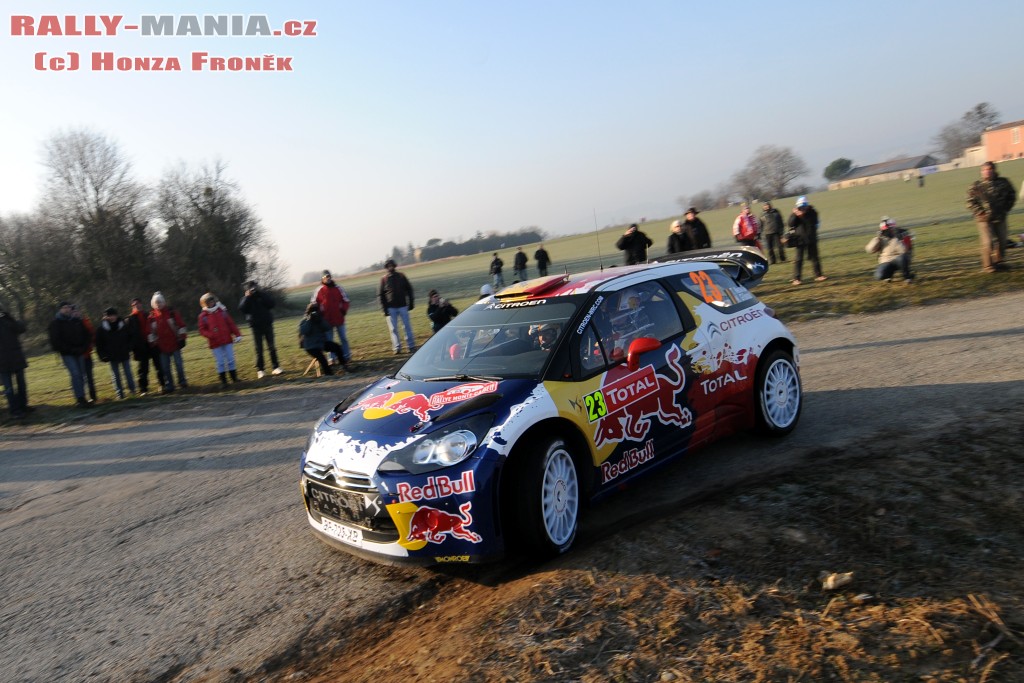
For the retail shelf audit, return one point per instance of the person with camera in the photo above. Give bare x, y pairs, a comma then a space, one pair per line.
439, 310
13, 364
256, 305
894, 246
634, 244
804, 233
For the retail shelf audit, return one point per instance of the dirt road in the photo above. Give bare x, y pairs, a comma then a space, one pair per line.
169, 543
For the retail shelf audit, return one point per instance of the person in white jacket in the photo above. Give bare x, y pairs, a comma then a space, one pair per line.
894, 247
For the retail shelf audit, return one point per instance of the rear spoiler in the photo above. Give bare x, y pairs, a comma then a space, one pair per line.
746, 265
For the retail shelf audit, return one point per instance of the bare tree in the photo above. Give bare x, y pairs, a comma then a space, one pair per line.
769, 173
955, 137
92, 197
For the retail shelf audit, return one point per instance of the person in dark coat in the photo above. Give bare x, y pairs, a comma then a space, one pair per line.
679, 239
519, 264
543, 260
114, 346
804, 224
313, 337
256, 305
13, 364
634, 245
495, 270
698, 231
440, 311
142, 352
395, 294
772, 229
70, 339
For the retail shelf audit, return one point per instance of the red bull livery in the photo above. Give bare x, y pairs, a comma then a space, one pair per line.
532, 403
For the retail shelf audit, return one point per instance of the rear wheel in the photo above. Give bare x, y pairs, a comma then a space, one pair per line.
778, 396
547, 499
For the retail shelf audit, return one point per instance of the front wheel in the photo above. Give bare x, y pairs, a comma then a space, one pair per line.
778, 396
547, 497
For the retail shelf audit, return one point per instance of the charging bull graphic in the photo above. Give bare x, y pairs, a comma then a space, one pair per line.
402, 402
626, 401
431, 524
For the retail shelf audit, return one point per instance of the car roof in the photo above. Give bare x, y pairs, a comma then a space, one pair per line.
609, 279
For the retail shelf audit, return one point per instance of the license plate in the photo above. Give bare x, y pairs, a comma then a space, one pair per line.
345, 534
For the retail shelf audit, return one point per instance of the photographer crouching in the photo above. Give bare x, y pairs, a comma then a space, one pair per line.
894, 247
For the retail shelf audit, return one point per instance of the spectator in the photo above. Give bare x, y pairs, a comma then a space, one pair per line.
772, 229
90, 380
222, 334
543, 260
698, 231
634, 245
496, 265
486, 291
894, 247
990, 199
679, 239
519, 264
114, 346
142, 352
396, 299
256, 305
167, 334
440, 311
804, 223
313, 338
13, 364
334, 305
746, 228
69, 338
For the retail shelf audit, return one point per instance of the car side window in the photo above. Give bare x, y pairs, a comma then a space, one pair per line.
644, 310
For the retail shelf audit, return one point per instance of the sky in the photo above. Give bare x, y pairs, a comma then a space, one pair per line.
403, 121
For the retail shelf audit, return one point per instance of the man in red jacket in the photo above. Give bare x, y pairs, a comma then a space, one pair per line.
333, 303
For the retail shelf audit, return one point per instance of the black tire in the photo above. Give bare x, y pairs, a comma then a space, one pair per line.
546, 497
778, 396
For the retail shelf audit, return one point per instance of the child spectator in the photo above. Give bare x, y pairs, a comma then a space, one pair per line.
222, 333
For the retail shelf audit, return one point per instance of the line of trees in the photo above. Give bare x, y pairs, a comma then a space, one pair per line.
100, 236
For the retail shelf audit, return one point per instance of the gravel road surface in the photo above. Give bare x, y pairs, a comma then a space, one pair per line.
168, 542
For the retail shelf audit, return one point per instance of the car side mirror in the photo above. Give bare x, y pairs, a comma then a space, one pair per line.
637, 348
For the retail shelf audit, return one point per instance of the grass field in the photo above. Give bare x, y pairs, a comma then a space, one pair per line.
946, 262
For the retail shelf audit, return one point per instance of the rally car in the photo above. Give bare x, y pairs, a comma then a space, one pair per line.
493, 436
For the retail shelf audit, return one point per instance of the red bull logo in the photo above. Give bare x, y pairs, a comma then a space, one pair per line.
437, 487
402, 402
433, 525
626, 401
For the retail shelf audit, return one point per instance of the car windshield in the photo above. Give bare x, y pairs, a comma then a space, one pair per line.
494, 340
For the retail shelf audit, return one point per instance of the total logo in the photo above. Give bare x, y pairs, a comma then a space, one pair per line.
712, 385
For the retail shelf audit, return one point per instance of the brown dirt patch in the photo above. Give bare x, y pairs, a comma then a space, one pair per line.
731, 589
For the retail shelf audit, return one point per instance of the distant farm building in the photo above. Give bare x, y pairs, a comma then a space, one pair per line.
1003, 142
897, 169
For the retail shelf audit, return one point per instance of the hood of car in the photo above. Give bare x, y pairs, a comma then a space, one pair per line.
398, 409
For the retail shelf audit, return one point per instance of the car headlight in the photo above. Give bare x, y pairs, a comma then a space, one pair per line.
442, 448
